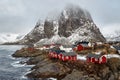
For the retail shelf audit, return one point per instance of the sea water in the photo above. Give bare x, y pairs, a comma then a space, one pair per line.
11, 68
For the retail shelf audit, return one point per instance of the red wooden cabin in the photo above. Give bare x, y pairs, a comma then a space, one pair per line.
54, 52
94, 58
30, 47
62, 55
81, 46
68, 56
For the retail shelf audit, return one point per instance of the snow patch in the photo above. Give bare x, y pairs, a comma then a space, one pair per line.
80, 57
98, 53
65, 14
112, 56
66, 49
53, 40
52, 79
56, 26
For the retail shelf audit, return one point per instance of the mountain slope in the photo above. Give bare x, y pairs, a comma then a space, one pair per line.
73, 24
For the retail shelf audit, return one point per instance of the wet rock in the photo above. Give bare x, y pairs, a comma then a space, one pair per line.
75, 75
79, 75
25, 52
35, 60
55, 70
114, 65
104, 73
42, 63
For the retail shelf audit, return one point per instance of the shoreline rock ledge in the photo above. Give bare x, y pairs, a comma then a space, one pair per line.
70, 70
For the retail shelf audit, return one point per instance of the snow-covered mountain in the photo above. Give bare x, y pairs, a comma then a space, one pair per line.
9, 37
73, 24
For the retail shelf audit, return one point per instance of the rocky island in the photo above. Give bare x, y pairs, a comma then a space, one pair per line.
73, 24
46, 67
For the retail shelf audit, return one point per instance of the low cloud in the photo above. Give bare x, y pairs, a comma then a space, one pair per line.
20, 16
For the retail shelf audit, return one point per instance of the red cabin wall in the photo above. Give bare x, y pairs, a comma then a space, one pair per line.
104, 59
51, 54
63, 58
80, 47
97, 60
88, 59
67, 58
55, 55
30, 49
93, 59
60, 56
75, 58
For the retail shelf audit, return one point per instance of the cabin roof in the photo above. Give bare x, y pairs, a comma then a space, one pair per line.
54, 48
84, 45
117, 47
69, 53
67, 46
93, 55
83, 42
58, 51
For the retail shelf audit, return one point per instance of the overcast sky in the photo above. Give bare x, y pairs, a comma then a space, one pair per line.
20, 16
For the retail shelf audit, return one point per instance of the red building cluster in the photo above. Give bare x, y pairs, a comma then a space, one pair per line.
55, 52
62, 55
94, 58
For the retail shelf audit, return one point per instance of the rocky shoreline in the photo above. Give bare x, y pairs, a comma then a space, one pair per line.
69, 70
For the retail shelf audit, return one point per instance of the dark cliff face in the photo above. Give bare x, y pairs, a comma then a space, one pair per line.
72, 18
48, 28
71, 22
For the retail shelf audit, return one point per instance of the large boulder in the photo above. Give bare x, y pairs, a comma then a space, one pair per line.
55, 70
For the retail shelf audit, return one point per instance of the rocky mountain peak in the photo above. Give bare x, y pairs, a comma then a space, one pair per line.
73, 11
73, 24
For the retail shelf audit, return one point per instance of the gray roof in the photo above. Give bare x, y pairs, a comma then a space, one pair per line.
67, 46
82, 42
55, 48
69, 53
84, 45
94, 55
117, 47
